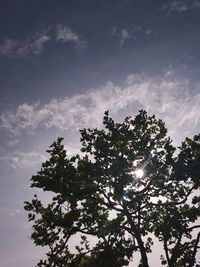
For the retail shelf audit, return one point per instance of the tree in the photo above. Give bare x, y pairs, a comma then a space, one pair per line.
128, 187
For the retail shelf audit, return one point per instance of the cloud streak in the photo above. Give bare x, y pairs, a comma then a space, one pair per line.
20, 160
131, 33
66, 35
167, 97
180, 6
34, 45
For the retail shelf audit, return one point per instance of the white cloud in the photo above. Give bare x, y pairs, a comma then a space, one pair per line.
180, 6
21, 160
196, 4
72, 149
8, 47
66, 35
77, 111
13, 142
22, 119
166, 97
15, 212
129, 33
124, 36
33, 45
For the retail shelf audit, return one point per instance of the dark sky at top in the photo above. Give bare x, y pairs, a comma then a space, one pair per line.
162, 38
64, 62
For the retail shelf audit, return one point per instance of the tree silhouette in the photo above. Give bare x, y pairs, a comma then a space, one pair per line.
128, 187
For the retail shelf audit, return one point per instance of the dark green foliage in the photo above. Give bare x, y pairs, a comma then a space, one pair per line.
98, 194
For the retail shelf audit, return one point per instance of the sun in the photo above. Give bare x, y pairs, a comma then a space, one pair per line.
139, 173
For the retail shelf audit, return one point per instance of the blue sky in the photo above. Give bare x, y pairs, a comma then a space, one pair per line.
63, 63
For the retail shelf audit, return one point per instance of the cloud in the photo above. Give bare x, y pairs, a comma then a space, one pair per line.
21, 160
24, 116
72, 149
168, 98
131, 33
66, 35
77, 111
180, 6
34, 44
15, 212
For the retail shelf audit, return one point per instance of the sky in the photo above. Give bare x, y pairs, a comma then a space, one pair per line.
63, 63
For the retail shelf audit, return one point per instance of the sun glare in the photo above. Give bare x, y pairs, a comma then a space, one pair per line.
139, 173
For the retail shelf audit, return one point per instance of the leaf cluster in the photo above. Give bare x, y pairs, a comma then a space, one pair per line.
98, 194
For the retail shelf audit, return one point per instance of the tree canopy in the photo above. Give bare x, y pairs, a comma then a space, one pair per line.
128, 187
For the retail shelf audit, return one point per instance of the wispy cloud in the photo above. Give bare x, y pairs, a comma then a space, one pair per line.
34, 44
167, 97
15, 212
66, 35
20, 160
24, 115
180, 6
129, 33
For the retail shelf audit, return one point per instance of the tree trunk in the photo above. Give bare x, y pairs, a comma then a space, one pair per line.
142, 250
137, 235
